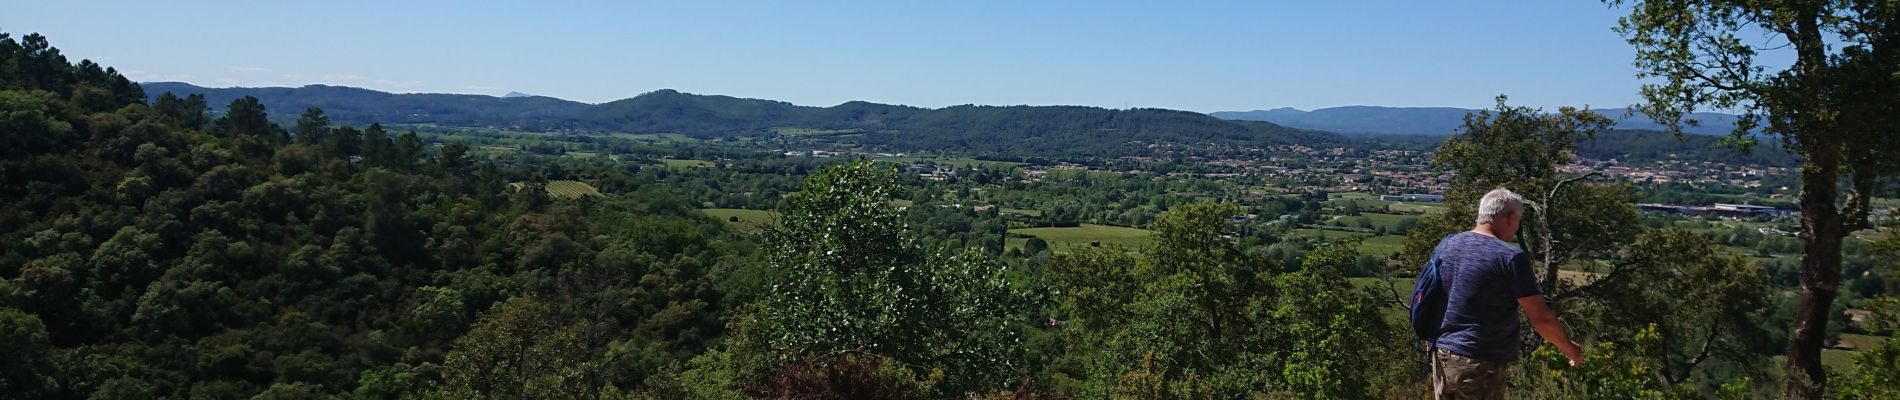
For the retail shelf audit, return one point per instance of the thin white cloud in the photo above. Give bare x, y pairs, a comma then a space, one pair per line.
248, 69
294, 76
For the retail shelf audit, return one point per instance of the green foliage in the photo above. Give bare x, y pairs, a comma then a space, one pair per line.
31, 63
1876, 374
1199, 318
849, 279
1605, 373
149, 255
1701, 308
516, 351
850, 376
1877, 371
1336, 328
25, 369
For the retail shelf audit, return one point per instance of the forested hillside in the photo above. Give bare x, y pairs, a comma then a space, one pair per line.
1009, 131
1650, 145
151, 252
1018, 131
356, 106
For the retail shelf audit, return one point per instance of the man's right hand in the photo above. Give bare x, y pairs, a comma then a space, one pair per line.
1547, 325
1573, 352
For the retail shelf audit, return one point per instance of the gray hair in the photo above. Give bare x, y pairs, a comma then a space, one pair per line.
1499, 202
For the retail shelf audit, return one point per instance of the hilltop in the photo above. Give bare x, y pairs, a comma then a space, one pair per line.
1020, 131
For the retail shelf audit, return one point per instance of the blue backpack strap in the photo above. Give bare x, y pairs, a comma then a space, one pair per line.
1429, 274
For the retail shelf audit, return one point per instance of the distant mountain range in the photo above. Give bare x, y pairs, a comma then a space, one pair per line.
1437, 121
1021, 131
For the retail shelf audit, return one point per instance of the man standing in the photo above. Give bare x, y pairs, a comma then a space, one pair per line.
1485, 282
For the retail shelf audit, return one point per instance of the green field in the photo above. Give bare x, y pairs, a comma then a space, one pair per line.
1370, 202
1065, 239
1329, 234
742, 220
1379, 246
1835, 361
571, 189
1861, 342
1422, 208
1352, 196
1366, 201
493, 150
1839, 360
652, 137
1389, 221
672, 163
1382, 246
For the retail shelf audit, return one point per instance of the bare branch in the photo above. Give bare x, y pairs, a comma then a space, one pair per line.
1859, 200
1549, 238
1703, 355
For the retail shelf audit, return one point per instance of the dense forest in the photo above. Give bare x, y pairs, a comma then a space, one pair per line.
357, 106
152, 252
1651, 146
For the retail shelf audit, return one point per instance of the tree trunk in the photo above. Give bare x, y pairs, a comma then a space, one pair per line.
1820, 272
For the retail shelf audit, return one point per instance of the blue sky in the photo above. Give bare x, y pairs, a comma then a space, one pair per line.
1192, 56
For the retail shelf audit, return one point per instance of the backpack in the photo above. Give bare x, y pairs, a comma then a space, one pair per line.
1428, 303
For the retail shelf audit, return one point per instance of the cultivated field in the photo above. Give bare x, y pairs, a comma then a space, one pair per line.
653, 137
1064, 239
1421, 208
742, 220
1370, 202
571, 189
1389, 221
1376, 246
672, 163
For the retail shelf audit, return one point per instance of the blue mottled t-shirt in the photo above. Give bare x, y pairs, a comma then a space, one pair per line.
1483, 279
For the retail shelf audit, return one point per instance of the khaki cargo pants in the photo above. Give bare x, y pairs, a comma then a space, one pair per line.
1459, 377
